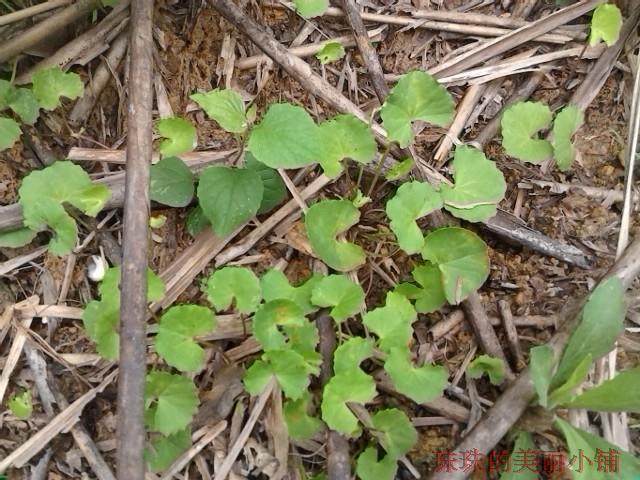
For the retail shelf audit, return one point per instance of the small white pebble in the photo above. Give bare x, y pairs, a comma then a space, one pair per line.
96, 268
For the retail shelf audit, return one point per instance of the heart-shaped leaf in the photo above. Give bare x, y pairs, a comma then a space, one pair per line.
348, 386
462, 258
392, 323
177, 327
566, 124
9, 133
520, 125
478, 182
330, 52
300, 424
234, 282
170, 402
421, 384
345, 136
337, 291
430, 297
52, 83
171, 182
288, 367
493, 367
398, 434
275, 286
416, 96
605, 24
350, 354
43, 194
179, 136
229, 196
163, 451
287, 137
323, 222
412, 201
370, 468
225, 106
311, 8
23, 102
271, 315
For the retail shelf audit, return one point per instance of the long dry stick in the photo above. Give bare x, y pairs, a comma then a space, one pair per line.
133, 297
31, 11
513, 402
50, 26
369, 54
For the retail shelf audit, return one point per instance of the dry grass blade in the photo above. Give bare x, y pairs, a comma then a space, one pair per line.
513, 39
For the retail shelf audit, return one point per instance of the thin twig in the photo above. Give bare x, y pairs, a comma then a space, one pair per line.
31, 11
133, 297
42, 30
369, 55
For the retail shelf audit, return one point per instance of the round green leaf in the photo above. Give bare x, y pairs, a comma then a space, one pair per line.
493, 367
287, 137
234, 282
480, 213
52, 83
392, 323
177, 327
179, 136
229, 197
276, 286
17, 238
350, 354
478, 181
43, 193
171, 182
289, 368
566, 124
605, 24
345, 136
323, 222
412, 201
420, 384
349, 386
311, 8
416, 96
296, 415
431, 296
275, 191
271, 315
400, 169
462, 258
225, 106
369, 467
170, 402
330, 52
398, 434
342, 294
163, 451
9, 133
24, 103
520, 125
21, 405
